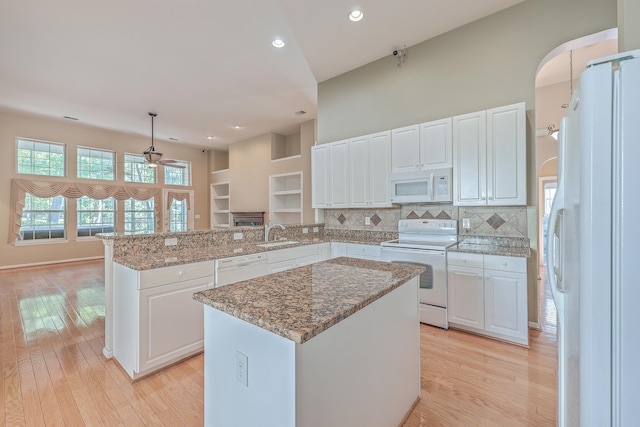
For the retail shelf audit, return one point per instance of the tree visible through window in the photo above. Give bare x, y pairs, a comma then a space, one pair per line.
96, 164
178, 176
40, 158
43, 218
139, 216
137, 170
178, 215
95, 216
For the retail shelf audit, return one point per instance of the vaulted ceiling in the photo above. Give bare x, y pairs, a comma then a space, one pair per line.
202, 65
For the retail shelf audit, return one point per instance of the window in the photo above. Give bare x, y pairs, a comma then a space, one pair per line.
179, 174
139, 216
96, 164
137, 170
40, 158
43, 218
95, 216
178, 215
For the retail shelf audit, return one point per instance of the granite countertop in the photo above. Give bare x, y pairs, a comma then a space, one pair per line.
198, 254
299, 304
493, 245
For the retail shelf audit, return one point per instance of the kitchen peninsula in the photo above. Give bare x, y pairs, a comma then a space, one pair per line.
333, 343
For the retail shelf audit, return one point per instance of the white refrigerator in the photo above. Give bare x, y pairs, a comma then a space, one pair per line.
593, 238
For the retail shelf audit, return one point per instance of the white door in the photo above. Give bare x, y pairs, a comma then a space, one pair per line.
469, 159
506, 155
379, 169
339, 175
178, 213
466, 297
505, 303
320, 172
436, 141
405, 149
359, 171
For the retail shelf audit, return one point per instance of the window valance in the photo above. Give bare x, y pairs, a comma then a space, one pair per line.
178, 195
72, 190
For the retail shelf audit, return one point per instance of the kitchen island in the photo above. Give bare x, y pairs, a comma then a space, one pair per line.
330, 344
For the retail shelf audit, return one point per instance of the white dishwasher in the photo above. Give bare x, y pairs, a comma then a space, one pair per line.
238, 268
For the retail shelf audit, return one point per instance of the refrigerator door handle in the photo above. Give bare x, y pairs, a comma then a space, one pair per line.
554, 271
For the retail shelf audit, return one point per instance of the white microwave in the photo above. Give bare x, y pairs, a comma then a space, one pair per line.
426, 186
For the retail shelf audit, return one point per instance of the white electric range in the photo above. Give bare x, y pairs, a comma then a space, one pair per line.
425, 242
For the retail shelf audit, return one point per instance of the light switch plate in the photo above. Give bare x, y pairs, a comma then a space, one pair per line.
316, 229
305, 230
242, 369
171, 242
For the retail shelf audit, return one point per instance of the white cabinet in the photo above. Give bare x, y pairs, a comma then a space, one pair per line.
421, 147
156, 320
338, 249
358, 250
436, 142
286, 259
220, 204
487, 294
329, 168
369, 166
466, 297
405, 149
489, 157
324, 251
285, 198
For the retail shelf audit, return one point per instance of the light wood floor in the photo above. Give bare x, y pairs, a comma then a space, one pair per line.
54, 374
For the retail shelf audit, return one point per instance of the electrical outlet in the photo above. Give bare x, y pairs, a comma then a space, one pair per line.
242, 368
466, 223
305, 230
237, 236
197, 216
316, 229
171, 242
367, 220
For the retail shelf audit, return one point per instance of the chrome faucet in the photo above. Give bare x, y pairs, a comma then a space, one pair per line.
267, 229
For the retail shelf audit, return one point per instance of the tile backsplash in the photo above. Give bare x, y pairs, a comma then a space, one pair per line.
498, 221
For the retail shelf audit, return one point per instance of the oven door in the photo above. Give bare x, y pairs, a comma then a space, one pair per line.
433, 282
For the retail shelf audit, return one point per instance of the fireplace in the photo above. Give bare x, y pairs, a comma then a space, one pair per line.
247, 218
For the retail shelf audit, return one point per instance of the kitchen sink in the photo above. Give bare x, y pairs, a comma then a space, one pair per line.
278, 243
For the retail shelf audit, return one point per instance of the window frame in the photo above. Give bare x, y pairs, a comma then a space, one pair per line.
102, 150
40, 141
49, 240
153, 213
91, 236
187, 168
138, 156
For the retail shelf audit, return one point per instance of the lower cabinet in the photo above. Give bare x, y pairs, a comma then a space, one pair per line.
358, 250
286, 259
487, 294
156, 320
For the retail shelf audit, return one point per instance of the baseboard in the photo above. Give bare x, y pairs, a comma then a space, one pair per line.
61, 261
535, 325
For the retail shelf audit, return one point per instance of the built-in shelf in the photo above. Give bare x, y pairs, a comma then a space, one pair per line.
285, 198
220, 204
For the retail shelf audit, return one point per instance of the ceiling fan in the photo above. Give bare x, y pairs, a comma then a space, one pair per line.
153, 157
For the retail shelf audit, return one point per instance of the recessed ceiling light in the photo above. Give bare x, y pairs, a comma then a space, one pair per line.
173, 139
210, 137
300, 113
237, 127
70, 118
356, 15
278, 42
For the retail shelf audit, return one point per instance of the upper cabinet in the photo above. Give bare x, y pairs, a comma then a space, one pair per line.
369, 166
330, 175
489, 157
421, 147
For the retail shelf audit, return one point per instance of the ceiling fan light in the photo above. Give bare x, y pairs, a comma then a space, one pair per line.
151, 155
153, 165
